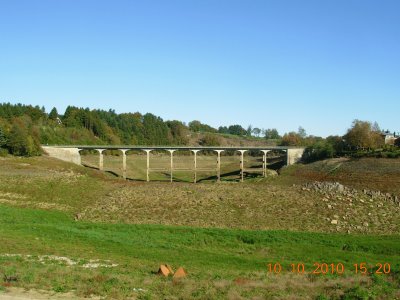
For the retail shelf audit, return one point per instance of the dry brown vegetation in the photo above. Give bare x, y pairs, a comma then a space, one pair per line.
270, 203
365, 173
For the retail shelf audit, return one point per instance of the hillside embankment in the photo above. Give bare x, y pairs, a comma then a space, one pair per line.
366, 201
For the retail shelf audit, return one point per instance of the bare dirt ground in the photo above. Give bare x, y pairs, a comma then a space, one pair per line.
14, 293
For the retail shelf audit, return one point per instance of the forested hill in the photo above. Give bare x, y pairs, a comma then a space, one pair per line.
24, 127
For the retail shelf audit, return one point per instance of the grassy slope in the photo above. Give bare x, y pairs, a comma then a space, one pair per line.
213, 257
209, 255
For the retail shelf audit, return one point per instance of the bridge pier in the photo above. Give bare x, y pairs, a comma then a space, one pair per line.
101, 160
265, 152
172, 164
242, 164
218, 164
147, 164
195, 165
124, 162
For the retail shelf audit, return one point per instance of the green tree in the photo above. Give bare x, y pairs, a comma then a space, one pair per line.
223, 129
272, 134
53, 115
3, 138
21, 141
237, 130
179, 132
337, 143
197, 126
256, 131
249, 130
319, 150
18, 140
302, 132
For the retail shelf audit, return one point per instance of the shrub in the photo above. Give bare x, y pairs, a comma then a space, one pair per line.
209, 140
319, 150
3, 152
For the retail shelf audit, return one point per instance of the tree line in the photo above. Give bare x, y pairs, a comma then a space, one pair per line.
23, 128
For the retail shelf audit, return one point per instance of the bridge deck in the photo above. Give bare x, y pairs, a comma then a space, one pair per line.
129, 147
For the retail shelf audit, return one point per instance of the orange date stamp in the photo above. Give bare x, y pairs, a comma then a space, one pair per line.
321, 268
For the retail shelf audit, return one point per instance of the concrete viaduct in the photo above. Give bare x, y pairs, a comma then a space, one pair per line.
72, 154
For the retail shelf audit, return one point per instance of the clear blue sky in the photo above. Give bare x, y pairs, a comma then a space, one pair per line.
272, 64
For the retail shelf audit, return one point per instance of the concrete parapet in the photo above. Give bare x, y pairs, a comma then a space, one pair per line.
294, 155
65, 154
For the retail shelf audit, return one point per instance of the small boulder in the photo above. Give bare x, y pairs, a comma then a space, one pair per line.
334, 222
270, 172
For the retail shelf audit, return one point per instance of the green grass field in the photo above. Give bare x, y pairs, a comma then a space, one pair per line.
117, 233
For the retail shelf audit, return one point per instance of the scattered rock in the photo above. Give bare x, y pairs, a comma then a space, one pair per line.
180, 273
271, 172
337, 190
10, 279
164, 271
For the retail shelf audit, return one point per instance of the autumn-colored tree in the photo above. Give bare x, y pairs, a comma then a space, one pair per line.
291, 139
364, 135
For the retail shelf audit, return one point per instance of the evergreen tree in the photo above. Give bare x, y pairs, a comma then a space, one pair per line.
3, 139
53, 115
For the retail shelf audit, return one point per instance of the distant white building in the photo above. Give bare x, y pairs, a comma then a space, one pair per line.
390, 137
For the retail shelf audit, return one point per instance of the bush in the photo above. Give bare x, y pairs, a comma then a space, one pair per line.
397, 142
320, 150
21, 143
3, 152
209, 140
291, 139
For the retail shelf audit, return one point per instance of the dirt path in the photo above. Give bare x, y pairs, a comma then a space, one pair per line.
22, 294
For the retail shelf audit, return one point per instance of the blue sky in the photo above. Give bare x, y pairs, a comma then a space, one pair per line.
271, 64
